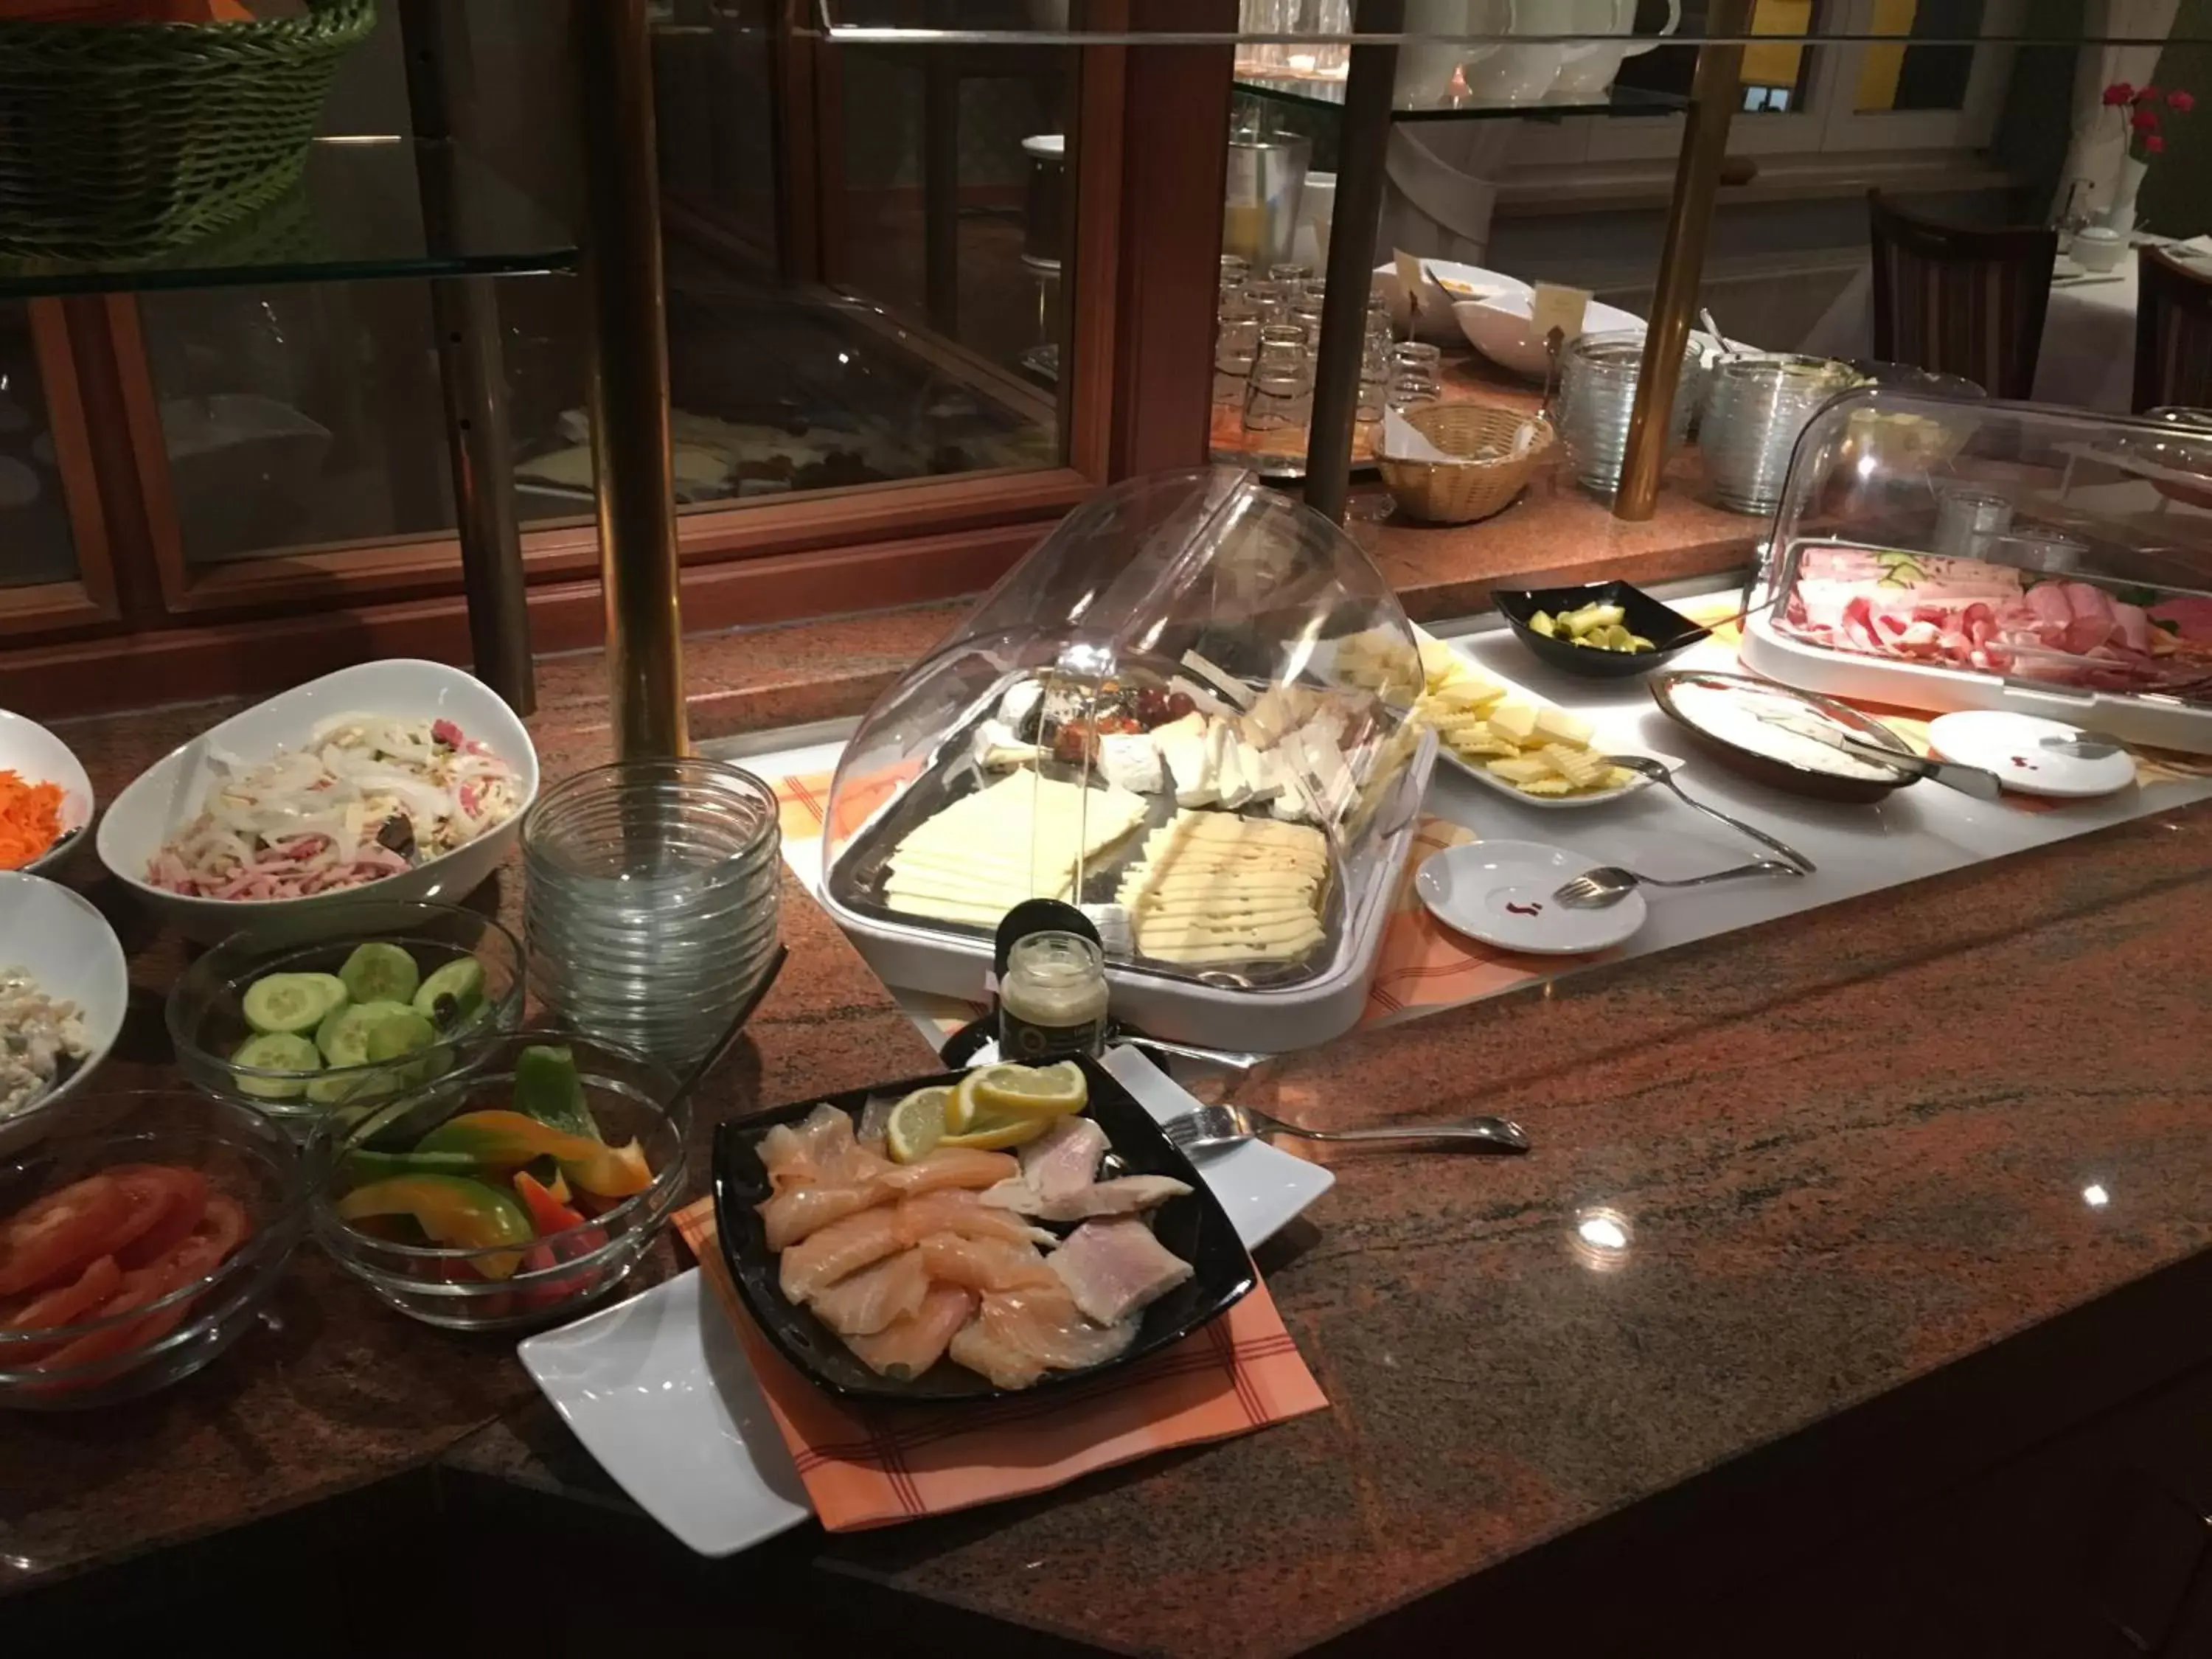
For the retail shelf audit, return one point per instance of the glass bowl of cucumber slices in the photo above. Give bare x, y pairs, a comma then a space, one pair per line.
389, 995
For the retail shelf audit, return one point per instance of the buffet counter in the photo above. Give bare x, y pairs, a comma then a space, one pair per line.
1889, 1191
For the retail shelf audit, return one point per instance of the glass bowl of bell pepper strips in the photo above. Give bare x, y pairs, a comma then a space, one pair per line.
512, 1193
140, 1235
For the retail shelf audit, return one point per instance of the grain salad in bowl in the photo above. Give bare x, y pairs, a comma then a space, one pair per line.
41, 1038
64, 988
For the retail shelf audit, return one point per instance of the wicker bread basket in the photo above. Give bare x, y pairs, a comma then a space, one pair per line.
1462, 490
120, 139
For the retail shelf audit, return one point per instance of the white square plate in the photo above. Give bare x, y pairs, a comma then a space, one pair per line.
659, 1392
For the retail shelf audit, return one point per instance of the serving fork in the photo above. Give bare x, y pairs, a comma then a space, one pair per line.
1609, 884
1226, 1125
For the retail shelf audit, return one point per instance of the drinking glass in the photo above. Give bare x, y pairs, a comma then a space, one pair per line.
1597, 394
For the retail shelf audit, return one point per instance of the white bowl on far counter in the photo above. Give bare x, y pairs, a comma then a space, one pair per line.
56, 936
167, 795
37, 755
1499, 328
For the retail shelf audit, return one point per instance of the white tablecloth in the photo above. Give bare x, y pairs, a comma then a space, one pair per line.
2088, 356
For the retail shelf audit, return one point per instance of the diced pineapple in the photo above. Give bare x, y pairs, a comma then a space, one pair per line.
1515, 721
1523, 769
1591, 618
1638, 643
1542, 622
1577, 766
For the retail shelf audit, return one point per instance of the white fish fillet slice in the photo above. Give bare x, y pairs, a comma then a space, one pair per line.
1114, 1269
1064, 1160
1123, 1196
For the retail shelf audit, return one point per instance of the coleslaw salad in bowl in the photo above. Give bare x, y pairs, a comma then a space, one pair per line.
405, 779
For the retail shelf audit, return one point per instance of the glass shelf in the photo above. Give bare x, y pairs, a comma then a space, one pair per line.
1323, 93
915, 22
368, 208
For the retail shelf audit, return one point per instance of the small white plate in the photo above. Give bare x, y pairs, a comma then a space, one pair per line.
37, 755
2011, 745
1500, 892
659, 1390
1490, 779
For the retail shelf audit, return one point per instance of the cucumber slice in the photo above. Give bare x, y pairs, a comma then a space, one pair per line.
400, 1035
293, 1004
459, 984
380, 972
344, 1037
276, 1051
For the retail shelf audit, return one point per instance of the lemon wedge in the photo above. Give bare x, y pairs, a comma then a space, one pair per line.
916, 1124
1023, 1090
994, 1133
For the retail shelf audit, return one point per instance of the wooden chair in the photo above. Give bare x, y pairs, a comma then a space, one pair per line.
2174, 332
1960, 299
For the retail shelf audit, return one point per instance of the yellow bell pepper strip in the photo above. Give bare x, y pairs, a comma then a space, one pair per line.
510, 1139
452, 1211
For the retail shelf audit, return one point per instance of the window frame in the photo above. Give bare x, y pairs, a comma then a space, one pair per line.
1827, 128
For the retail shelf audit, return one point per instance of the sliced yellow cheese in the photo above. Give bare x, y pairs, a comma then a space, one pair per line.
1558, 726
1523, 769
1514, 721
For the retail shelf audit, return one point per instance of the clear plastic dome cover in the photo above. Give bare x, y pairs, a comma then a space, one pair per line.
1945, 555
1184, 711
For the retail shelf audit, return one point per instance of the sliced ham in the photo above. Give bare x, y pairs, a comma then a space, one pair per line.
1116, 1267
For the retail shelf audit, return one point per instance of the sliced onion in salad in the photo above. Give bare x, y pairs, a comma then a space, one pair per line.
321, 817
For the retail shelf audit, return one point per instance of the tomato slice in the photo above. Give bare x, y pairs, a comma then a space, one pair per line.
55, 1237
117, 1339
224, 1222
183, 1195
72, 1302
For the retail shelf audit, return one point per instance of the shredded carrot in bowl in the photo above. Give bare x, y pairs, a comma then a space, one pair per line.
30, 819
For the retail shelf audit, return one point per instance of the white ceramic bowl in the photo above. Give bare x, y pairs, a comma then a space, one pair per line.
167, 795
1436, 303
54, 934
37, 755
1500, 329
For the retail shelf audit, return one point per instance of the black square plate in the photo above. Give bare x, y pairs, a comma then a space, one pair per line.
1669, 631
1195, 1227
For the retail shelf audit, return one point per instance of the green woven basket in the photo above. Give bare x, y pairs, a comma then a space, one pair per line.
125, 138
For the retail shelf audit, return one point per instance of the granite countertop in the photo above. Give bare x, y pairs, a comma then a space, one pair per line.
1848, 1152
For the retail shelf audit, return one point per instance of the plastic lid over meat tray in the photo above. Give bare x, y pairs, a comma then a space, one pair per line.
1184, 712
1941, 555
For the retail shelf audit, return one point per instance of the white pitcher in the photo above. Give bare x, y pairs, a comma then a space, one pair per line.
1587, 75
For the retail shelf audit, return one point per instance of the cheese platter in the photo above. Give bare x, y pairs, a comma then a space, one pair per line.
1151, 720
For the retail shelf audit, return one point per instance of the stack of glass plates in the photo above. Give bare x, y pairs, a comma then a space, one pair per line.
652, 901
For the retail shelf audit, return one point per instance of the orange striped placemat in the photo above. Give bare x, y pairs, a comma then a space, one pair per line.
872, 1466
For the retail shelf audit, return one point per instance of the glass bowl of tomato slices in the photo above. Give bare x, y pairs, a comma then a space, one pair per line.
140, 1234
511, 1193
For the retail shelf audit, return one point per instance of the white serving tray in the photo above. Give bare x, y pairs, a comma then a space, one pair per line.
2163, 722
917, 956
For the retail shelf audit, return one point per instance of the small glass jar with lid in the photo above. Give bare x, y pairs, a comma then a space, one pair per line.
1051, 998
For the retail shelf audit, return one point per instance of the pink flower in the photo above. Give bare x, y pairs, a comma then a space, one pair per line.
2180, 102
2144, 120
2119, 93
2153, 145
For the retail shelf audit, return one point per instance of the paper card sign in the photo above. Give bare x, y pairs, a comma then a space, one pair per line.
1555, 306
1410, 283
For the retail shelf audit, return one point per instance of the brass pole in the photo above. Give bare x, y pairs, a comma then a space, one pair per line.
1714, 95
629, 378
1361, 182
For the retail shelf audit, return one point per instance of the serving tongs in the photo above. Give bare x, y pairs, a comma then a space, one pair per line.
1966, 779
